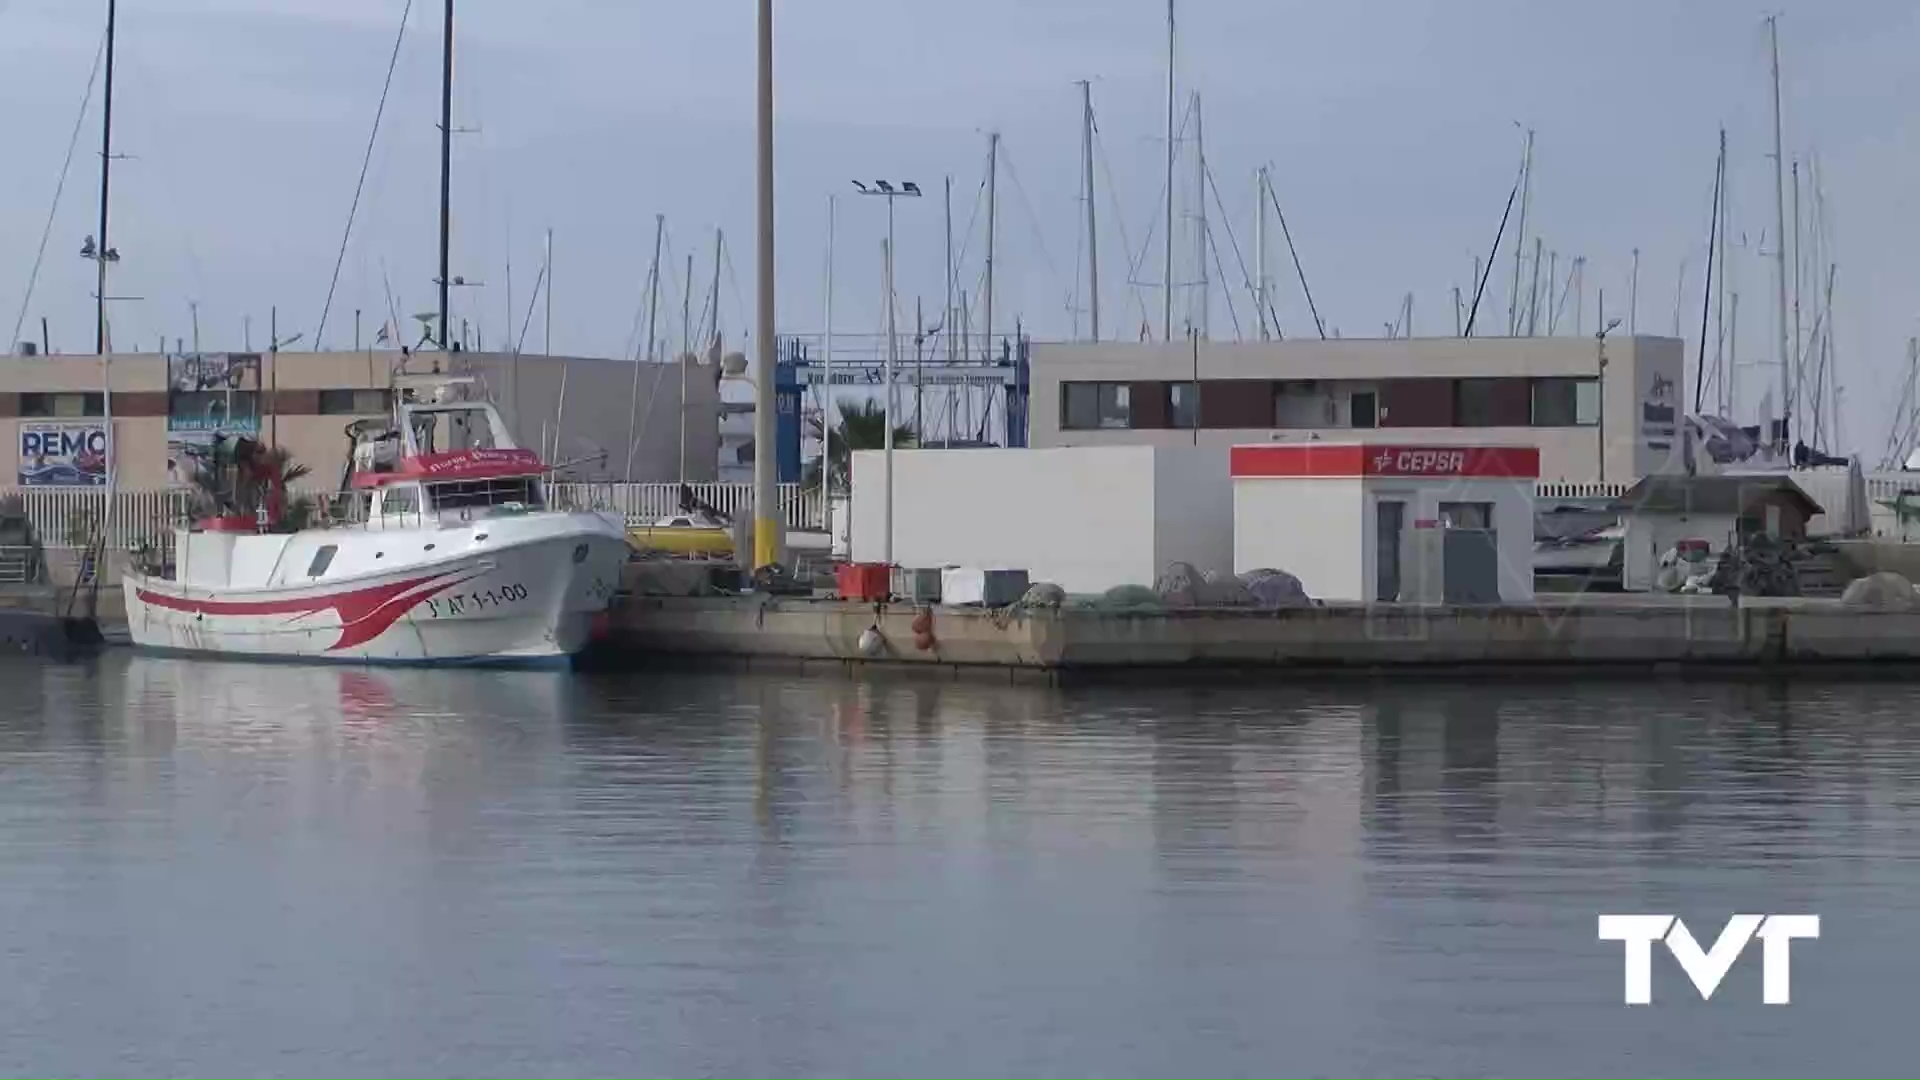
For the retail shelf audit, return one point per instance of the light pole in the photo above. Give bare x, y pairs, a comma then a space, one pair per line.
1600, 420
886, 190
766, 541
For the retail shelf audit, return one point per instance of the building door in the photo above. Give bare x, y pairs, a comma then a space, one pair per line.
1389, 519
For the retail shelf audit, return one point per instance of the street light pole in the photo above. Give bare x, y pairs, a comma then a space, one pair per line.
766, 545
887, 191
1600, 419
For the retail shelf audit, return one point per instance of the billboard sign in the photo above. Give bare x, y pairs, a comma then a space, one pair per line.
191, 373
63, 455
210, 397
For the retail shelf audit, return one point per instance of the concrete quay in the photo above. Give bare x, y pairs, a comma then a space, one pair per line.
1571, 632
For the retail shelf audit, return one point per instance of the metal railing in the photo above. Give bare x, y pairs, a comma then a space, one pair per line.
67, 517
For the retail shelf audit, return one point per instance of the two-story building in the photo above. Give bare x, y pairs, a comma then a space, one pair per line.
1598, 410
614, 419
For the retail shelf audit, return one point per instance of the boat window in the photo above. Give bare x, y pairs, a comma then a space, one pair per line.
321, 560
400, 500
523, 491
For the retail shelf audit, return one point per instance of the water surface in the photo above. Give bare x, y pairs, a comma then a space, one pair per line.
249, 869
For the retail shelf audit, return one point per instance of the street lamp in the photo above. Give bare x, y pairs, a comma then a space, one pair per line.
885, 190
1600, 343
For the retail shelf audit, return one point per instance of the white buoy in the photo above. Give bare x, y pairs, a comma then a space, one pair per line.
871, 642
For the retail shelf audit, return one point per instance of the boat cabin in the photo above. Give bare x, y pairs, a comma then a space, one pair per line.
440, 461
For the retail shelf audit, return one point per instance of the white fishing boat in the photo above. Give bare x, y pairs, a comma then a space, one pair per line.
448, 553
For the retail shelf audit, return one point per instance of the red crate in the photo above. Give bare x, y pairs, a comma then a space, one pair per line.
870, 582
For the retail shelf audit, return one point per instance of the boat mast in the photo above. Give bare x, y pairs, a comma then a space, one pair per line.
955, 329
1724, 399
653, 310
103, 255
1093, 235
826, 362
446, 165
993, 172
1201, 311
1799, 263
1780, 240
1260, 255
1166, 315
1706, 293
1520, 236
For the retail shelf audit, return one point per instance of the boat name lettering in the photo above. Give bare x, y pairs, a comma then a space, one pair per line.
457, 604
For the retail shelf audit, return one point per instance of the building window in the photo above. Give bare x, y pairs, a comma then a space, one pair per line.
214, 410
1086, 406
1183, 405
1363, 409
1466, 515
353, 403
1479, 403
1302, 405
1566, 402
81, 404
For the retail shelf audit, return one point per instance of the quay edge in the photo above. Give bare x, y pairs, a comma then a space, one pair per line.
1705, 631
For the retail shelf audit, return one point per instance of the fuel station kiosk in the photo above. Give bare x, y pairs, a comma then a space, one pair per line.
1389, 523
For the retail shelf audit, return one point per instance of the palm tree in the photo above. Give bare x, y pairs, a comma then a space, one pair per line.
241, 482
863, 426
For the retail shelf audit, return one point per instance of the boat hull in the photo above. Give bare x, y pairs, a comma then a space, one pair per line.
532, 601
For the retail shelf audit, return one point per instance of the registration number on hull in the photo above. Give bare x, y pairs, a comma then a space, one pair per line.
456, 605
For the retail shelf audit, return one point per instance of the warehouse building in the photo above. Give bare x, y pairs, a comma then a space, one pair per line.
164, 406
1598, 410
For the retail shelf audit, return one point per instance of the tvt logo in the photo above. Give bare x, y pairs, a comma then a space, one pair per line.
1708, 967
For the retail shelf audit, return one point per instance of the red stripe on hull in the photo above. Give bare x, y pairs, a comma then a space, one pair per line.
364, 614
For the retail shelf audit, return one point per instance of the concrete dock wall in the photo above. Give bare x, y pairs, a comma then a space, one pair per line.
1705, 630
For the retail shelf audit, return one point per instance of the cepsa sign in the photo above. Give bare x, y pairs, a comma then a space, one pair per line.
1419, 462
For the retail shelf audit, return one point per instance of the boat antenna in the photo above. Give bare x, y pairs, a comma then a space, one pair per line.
1487, 268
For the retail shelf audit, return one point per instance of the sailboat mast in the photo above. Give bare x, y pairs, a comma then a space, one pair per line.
1202, 310
1780, 239
1722, 369
826, 361
446, 165
1706, 293
993, 201
653, 311
1514, 311
956, 332
1166, 315
106, 174
1260, 253
1799, 264
1093, 234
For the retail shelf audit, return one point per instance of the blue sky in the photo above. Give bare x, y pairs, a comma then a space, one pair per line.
1390, 126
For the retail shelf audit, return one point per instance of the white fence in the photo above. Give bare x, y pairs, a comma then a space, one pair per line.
66, 517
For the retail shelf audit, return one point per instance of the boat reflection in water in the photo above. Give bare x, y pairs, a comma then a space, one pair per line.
289, 708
